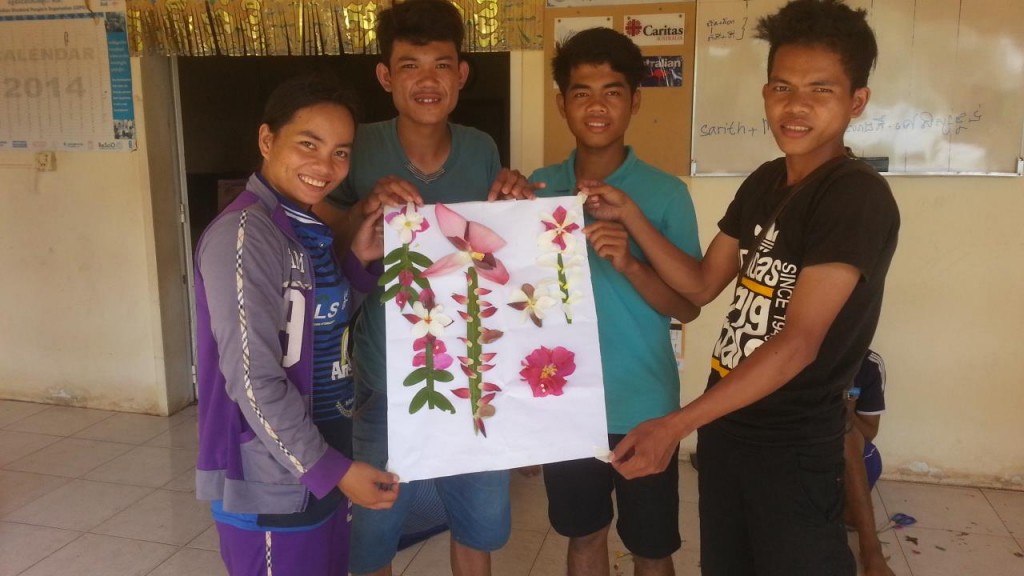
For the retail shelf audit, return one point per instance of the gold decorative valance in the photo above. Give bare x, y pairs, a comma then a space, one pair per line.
309, 27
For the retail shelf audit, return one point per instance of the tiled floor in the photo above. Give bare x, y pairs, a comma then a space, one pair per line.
94, 493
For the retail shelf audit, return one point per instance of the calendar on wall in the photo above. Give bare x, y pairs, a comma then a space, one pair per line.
65, 76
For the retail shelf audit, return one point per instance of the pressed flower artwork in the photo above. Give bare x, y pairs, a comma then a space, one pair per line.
493, 360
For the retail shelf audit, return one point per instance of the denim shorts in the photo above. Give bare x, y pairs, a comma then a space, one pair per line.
478, 507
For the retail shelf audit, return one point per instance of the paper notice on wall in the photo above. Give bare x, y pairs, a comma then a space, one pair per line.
65, 76
655, 29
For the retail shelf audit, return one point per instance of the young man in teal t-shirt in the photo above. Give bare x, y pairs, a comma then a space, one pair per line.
598, 72
418, 157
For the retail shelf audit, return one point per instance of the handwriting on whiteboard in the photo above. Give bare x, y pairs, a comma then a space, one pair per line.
947, 124
726, 28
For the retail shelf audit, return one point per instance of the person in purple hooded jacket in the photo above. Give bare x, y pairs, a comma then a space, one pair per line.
272, 306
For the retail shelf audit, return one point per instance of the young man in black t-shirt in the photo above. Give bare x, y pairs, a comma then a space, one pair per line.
810, 237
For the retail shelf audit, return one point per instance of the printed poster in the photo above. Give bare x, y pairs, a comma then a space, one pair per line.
655, 29
663, 71
65, 76
565, 28
493, 357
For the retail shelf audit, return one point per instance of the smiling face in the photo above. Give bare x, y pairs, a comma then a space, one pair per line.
309, 155
424, 80
809, 104
597, 105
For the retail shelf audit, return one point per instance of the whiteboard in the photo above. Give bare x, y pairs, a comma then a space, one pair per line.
947, 95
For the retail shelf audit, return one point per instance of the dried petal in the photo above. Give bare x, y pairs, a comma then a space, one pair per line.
487, 335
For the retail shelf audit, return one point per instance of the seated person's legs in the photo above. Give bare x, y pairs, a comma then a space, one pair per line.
872, 463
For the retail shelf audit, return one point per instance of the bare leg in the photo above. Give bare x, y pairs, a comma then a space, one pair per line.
653, 567
468, 561
588, 555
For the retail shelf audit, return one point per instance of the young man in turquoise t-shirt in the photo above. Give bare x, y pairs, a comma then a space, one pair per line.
598, 72
418, 157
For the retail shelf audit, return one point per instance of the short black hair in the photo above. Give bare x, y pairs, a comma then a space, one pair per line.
419, 22
304, 91
827, 23
598, 46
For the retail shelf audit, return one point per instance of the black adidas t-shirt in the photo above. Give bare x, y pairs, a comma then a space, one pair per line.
844, 214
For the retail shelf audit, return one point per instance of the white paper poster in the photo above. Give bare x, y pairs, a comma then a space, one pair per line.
565, 28
493, 359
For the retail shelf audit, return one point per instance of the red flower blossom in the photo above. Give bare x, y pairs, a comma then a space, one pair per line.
545, 370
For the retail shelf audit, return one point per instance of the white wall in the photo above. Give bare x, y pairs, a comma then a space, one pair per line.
950, 327
80, 301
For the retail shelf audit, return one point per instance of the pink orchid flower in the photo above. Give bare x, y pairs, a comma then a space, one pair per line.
558, 228
476, 245
545, 370
407, 222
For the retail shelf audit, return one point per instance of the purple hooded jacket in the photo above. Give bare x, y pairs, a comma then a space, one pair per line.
259, 450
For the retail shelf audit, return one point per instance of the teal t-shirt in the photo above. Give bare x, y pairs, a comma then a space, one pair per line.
466, 176
641, 379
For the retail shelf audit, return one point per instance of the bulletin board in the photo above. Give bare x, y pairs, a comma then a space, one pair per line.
659, 131
945, 95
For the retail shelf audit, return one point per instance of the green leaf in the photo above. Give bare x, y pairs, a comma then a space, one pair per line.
443, 403
419, 400
393, 256
442, 376
389, 275
421, 282
390, 293
418, 375
419, 259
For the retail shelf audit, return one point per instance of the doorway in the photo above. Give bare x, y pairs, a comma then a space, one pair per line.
222, 99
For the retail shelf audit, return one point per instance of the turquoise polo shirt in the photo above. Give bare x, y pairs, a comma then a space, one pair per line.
641, 379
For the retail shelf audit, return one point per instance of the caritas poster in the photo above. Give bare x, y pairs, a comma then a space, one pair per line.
493, 359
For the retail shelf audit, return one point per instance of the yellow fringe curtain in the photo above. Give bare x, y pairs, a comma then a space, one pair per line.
309, 27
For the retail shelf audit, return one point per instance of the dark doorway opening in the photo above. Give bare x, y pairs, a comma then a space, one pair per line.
222, 98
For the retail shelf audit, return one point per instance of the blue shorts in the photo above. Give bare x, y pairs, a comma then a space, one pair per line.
872, 463
478, 507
